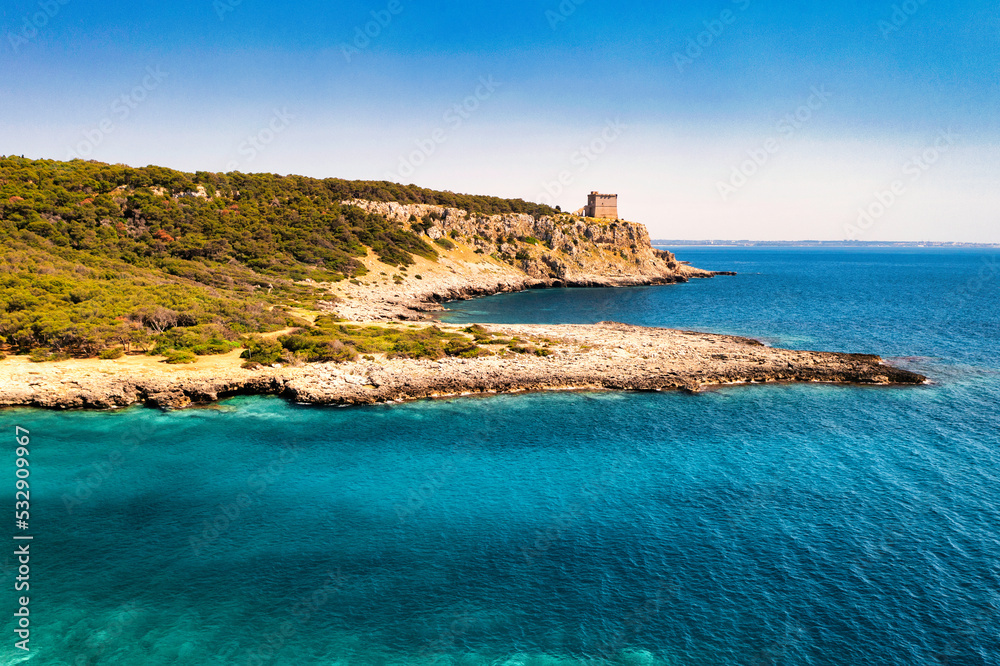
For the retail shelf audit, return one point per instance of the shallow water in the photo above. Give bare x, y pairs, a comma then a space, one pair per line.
750, 525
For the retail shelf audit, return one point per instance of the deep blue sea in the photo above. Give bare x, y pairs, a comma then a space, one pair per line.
750, 525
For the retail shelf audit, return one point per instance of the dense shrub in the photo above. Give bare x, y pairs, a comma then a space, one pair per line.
333, 351
265, 352
331, 341
201, 340
43, 355
96, 256
179, 356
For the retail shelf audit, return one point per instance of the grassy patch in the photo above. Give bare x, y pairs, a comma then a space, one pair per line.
43, 355
331, 341
260, 351
484, 337
199, 340
179, 357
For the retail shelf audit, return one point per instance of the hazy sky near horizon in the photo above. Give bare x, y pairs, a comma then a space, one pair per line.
724, 119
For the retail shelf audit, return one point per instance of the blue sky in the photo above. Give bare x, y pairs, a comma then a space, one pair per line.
723, 119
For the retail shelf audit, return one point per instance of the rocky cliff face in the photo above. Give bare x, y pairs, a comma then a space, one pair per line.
563, 248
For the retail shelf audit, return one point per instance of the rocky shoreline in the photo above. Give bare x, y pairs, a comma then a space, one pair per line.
484, 255
475, 255
606, 356
374, 304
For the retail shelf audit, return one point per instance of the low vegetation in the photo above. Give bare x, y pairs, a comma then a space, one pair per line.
179, 356
97, 257
329, 340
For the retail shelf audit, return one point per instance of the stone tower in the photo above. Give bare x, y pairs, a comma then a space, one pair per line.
602, 206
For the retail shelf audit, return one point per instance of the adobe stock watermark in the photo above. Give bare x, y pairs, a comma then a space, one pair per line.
706, 38
258, 142
631, 625
913, 171
121, 109
901, 15
97, 474
432, 483
972, 638
226, 515
33, 23
363, 35
562, 13
591, 492
305, 609
448, 638
223, 7
785, 130
988, 273
581, 160
106, 637
779, 650
453, 119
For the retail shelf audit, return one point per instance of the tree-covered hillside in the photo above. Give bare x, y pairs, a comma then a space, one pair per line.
96, 256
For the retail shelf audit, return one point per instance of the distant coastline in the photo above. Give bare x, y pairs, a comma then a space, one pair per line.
838, 244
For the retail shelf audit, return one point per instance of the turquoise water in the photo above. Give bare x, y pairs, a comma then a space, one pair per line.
754, 525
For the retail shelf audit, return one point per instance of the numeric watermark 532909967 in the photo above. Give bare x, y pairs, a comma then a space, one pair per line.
22, 514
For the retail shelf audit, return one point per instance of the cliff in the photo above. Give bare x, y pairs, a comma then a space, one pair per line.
487, 254
573, 250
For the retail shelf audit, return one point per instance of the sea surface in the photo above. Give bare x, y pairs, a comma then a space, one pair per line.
751, 525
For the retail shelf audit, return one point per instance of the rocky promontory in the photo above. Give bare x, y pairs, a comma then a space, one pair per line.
607, 356
481, 255
457, 254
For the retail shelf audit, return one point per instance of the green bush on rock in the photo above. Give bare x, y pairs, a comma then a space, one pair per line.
179, 357
265, 352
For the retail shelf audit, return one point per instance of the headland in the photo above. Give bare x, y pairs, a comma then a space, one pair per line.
606, 356
172, 289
